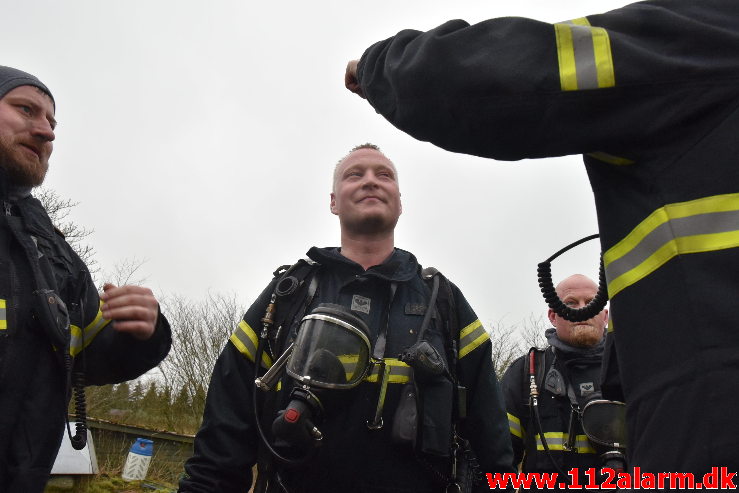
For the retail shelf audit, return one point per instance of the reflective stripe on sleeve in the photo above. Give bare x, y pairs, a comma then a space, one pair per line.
584, 54
246, 341
698, 226
471, 337
556, 441
80, 339
514, 424
611, 159
3, 315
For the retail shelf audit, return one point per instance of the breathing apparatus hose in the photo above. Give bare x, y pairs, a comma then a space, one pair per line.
534, 405
267, 321
595, 306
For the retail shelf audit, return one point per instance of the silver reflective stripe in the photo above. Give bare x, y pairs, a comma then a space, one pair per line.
584, 56
3, 315
398, 372
556, 441
246, 340
553, 442
716, 222
514, 425
471, 337
697, 226
582, 43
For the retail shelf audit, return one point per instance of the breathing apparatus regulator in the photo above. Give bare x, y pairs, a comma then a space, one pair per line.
602, 421
331, 351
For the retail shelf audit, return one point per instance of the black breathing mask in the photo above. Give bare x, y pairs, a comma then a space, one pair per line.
331, 352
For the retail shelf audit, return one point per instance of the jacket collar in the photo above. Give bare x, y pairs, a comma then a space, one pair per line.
399, 267
10, 191
572, 351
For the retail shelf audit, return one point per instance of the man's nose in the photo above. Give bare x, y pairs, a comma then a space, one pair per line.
369, 180
42, 130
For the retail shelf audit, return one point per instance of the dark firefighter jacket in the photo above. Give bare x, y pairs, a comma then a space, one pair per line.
650, 95
580, 371
33, 404
352, 457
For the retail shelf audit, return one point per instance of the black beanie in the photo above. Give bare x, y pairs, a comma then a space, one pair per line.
10, 78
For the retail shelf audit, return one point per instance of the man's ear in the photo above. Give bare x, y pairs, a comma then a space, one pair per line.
333, 204
552, 316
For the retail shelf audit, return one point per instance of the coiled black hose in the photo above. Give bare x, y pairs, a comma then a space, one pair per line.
79, 440
595, 306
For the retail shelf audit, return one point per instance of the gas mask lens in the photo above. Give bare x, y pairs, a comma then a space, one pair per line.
604, 422
332, 349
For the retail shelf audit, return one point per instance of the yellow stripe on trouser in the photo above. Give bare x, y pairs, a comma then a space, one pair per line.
80, 338
3, 315
556, 441
471, 337
514, 424
246, 341
584, 55
697, 226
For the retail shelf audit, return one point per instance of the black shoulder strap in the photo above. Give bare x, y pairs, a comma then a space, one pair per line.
447, 308
295, 288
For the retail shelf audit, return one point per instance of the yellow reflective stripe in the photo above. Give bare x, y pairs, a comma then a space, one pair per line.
80, 339
566, 57
603, 57
584, 56
246, 341
610, 159
697, 226
610, 323
556, 441
397, 372
3, 315
514, 424
471, 337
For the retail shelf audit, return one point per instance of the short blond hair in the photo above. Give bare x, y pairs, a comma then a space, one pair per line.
366, 145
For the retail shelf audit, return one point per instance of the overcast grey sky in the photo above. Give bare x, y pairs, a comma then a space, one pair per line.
201, 136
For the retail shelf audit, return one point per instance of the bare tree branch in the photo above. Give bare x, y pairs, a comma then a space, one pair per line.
59, 210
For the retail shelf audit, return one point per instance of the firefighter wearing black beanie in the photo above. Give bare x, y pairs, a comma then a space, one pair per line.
54, 326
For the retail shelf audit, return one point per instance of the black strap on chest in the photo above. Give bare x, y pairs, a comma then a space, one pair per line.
295, 287
52, 315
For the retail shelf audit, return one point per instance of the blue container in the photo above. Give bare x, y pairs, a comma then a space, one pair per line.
142, 446
139, 457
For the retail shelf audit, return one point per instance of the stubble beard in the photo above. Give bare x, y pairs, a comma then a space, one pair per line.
21, 170
371, 226
585, 336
